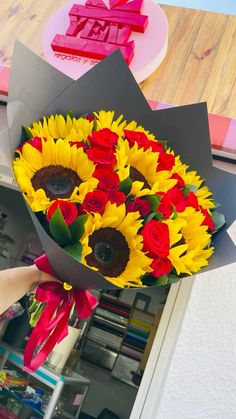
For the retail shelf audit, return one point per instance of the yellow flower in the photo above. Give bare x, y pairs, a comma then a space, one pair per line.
140, 166
203, 195
112, 246
54, 173
105, 119
193, 250
56, 126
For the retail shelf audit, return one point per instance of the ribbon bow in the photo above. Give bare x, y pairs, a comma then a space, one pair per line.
52, 325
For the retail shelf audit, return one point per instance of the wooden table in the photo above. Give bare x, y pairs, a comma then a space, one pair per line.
200, 64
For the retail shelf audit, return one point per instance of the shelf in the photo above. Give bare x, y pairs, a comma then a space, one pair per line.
43, 374
107, 322
47, 376
19, 399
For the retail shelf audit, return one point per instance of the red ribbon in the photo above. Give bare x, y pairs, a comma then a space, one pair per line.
52, 325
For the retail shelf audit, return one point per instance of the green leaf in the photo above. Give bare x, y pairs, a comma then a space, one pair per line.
189, 188
162, 280
217, 205
164, 143
125, 186
95, 124
153, 216
149, 280
58, 228
192, 188
150, 217
77, 227
174, 214
28, 133
70, 114
173, 278
154, 201
218, 220
74, 250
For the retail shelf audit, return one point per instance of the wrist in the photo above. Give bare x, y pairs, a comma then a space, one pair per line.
36, 277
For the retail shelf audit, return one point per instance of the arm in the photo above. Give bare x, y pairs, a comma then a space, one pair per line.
16, 282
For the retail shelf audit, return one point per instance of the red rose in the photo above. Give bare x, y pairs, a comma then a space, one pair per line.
138, 137
35, 142
117, 197
103, 138
156, 238
68, 209
102, 156
177, 198
156, 146
191, 201
165, 207
90, 118
78, 144
207, 220
140, 205
161, 266
108, 180
180, 182
95, 201
165, 161
142, 140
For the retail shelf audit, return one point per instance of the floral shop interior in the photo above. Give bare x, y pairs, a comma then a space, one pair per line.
100, 363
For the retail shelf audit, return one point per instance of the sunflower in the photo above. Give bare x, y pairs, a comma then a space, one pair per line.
191, 256
189, 177
192, 178
112, 246
141, 166
54, 173
56, 126
105, 119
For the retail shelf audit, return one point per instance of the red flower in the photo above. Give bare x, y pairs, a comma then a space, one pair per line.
95, 201
177, 198
191, 201
68, 209
108, 180
165, 207
138, 137
117, 197
90, 118
207, 220
156, 146
165, 161
156, 238
35, 142
142, 140
78, 144
180, 182
140, 205
161, 266
102, 156
103, 138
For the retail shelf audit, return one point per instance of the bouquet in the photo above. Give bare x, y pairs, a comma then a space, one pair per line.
114, 204
117, 199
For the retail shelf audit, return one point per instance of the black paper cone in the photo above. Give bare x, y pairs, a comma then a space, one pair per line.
187, 132
37, 89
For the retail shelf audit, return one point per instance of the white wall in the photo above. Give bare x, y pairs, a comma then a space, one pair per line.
201, 381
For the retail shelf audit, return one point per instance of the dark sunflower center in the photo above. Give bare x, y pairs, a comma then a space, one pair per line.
135, 175
56, 181
110, 252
